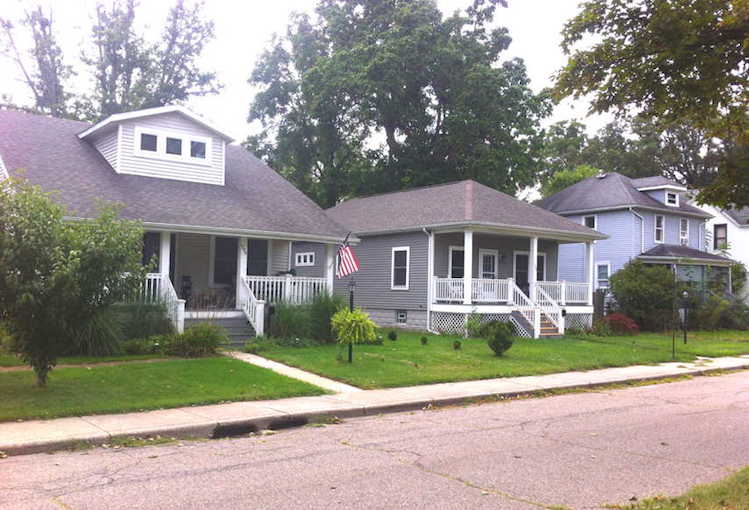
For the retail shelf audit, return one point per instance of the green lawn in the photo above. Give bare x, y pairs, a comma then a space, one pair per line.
140, 386
729, 494
405, 362
9, 360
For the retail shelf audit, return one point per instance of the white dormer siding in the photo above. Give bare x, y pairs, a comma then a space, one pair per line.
106, 144
159, 164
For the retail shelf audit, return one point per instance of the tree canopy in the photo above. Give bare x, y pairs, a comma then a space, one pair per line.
129, 72
678, 64
381, 95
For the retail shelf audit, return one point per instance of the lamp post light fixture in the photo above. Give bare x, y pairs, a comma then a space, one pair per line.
685, 321
351, 287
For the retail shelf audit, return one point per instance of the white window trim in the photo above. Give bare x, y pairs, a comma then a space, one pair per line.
595, 220
487, 251
663, 229
451, 249
684, 239
608, 273
299, 259
407, 249
520, 252
676, 204
161, 136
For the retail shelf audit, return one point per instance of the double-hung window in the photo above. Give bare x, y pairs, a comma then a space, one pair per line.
720, 236
590, 222
602, 273
305, 259
660, 221
672, 199
684, 232
400, 261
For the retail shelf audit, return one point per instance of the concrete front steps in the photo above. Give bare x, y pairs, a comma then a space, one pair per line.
233, 321
548, 329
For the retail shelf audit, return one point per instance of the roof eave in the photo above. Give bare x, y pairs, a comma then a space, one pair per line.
663, 186
694, 261
703, 215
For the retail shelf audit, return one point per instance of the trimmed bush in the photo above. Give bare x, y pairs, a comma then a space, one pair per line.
424, 340
321, 311
290, 321
392, 335
499, 336
457, 344
202, 339
620, 324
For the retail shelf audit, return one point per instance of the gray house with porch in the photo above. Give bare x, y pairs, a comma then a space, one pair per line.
433, 256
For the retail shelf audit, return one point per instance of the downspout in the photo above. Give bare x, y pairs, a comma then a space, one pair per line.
642, 229
430, 271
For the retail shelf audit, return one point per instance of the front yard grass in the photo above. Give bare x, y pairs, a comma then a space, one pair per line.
405, 362
141, 386
10, 360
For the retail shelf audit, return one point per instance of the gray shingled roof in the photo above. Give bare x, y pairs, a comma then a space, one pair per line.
682, 252
610, 192
740, 216
47, 152
656, 180
457, 203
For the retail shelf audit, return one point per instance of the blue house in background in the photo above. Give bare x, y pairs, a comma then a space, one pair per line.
648, 219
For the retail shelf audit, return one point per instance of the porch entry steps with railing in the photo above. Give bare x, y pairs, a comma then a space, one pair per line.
158, 288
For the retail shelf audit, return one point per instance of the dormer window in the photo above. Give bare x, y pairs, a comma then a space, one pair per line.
173, 146
672, 199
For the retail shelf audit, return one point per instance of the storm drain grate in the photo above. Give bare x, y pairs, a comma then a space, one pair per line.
222, 431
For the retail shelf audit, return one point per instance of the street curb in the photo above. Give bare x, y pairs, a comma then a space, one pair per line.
241, 426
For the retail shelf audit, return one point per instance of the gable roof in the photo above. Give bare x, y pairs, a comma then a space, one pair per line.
254, 201
150, 112
463, 203
740, 216
612, 191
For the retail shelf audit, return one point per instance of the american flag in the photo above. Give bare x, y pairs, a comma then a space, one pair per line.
347, 262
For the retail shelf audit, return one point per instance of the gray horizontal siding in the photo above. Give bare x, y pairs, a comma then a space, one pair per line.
373, 279
131, 163
415, 319
107, 145
316, 271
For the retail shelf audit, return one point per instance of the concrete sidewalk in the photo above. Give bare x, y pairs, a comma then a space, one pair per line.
244, 417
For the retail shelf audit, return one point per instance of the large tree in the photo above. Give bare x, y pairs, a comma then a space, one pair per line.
129, 72
677, 63
381, 95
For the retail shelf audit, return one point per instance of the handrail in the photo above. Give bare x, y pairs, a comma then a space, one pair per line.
549, 307
523, 304
253, 308
158, 288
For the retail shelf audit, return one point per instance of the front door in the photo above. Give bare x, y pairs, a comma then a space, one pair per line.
521, 270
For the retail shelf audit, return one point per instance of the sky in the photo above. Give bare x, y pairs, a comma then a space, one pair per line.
245, 28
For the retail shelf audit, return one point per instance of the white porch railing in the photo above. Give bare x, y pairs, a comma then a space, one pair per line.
289, 289
448, 290
253, 308
549, 307
158, 288
566, 293
485, 290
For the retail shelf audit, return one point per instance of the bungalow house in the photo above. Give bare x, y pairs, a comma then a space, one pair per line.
646, 219
433, 256
219, 222
728, 234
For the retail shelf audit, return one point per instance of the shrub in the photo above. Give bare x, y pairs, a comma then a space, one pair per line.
322, 309
620, 324
474, 324
718, 312
392, 335
294, 341
457, 344
143, 320
645, 293
353, 327
143, 345
252, 347
499, 336
99, 336
7, 341
202, 339
290, 321
424, 340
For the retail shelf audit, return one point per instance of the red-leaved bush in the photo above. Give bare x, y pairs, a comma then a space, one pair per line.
621, 324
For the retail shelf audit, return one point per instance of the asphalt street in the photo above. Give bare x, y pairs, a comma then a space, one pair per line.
578, 451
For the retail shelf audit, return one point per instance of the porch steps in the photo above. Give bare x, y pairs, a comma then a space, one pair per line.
238, 329
548, 329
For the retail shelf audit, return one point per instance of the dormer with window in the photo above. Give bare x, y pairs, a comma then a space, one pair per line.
169, 142
667, 194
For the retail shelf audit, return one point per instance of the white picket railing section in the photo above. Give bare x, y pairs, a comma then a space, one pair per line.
253, 308
549, 307
448, 290
566, 293
288, 289
158, 288
486, 290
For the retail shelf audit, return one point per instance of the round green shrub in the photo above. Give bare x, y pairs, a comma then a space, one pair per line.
424, 340
393, 336
499, 337
457, 344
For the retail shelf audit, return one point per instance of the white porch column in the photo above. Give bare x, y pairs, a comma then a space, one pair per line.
241, 270
532, 268
590, 269
164, 253
467, 266
330, 250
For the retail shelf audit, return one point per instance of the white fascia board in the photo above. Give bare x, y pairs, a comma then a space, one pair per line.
662, 210
3, 170
685, 261
663, 186
149, 112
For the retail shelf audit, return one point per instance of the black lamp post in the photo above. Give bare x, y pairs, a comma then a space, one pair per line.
685, 321
351, 287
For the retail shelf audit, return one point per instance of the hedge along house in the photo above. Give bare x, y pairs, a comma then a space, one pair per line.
220, 223
647, 219
432, 256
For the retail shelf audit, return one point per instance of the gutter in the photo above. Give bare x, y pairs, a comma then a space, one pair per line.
430, 275
642, 229
685, 261
670, 210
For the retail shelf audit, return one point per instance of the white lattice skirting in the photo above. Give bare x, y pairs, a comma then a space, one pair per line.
455, 323
579, 321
